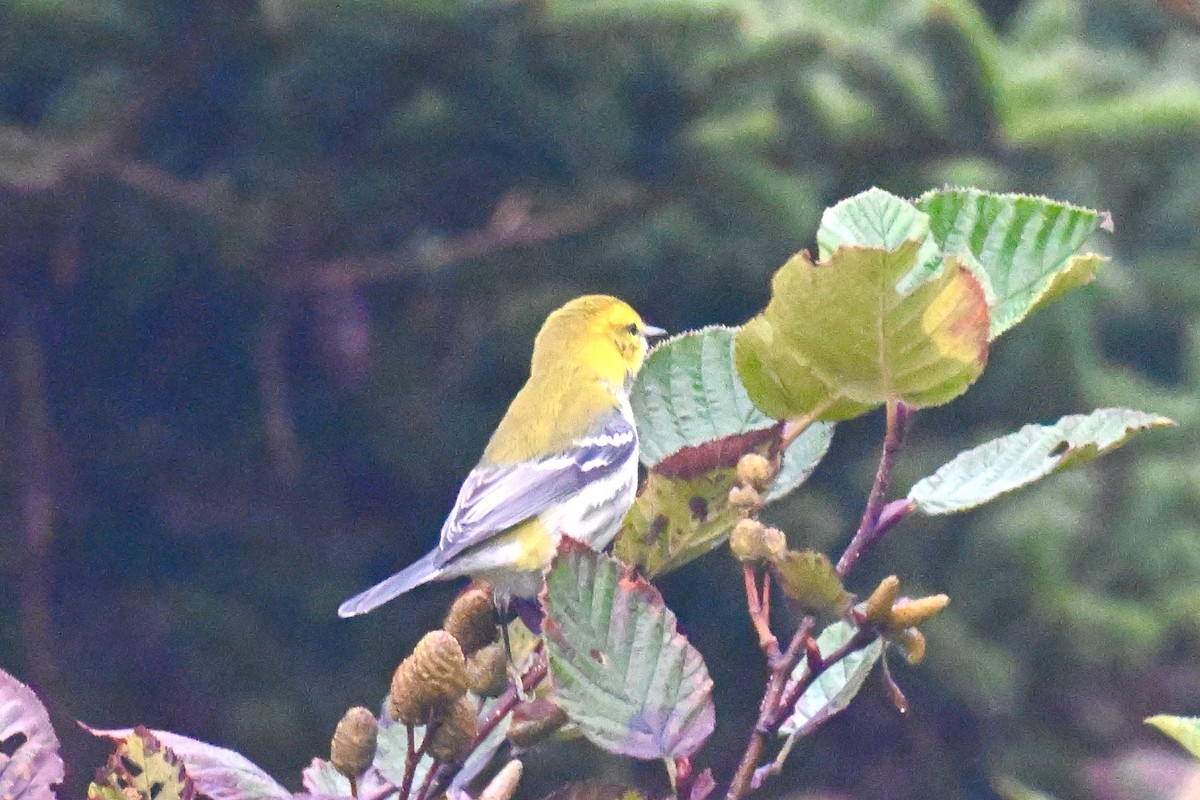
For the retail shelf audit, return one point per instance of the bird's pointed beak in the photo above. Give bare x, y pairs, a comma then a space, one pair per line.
649, 331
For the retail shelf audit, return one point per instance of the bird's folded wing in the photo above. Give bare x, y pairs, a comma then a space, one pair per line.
496, 497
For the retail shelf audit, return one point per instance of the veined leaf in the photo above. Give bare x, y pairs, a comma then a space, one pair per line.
1018, 459
688, 395
34, 766
695, 421
875, 218
1185, 730
1026, 246
218, 773
620, 669
834, 688
142, 768
676, 520
682, 510
837, 339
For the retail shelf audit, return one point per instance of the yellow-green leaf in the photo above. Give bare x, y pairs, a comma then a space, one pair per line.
808, 578
1185, 730
838, 339
142, 768
675, 520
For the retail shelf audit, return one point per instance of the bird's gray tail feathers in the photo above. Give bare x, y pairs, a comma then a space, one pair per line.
410, 577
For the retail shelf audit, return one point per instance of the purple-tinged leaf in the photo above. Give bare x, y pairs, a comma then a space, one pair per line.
34, 766
219, 773
142, 768
625, 676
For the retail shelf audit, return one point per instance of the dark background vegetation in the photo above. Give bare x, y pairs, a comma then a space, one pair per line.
270, 271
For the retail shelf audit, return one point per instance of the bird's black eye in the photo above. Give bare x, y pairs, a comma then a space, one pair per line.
632, 329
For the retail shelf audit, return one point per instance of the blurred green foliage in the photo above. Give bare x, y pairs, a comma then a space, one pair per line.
270, 271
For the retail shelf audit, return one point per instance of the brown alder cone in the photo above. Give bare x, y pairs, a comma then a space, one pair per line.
472, 618
429, 680
354, 741
454, 736
487, 671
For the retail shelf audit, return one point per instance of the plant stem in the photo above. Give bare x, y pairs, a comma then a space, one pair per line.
778, 697
410, 763
781, 665
757, 604
858, 641
869, 529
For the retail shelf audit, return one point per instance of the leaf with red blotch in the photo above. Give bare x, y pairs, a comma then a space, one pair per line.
683, 511
620, 669
29, 760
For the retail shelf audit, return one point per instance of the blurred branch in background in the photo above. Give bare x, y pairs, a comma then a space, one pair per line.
27, 362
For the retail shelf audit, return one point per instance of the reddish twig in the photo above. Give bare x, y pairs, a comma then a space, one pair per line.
869, 529
410, 763
760, 615
779, 697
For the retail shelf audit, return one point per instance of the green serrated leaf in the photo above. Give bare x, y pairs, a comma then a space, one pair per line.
875, 218
838, 339
1185, 730
1022, 243
688, 395
833, 689
809, 578
620, 669
142, 768
1018, 459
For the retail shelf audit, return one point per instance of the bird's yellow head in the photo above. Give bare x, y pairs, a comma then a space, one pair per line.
600, 333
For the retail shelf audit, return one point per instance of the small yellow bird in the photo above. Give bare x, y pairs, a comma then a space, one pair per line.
564, 460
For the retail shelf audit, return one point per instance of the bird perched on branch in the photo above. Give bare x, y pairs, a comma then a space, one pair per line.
563, 460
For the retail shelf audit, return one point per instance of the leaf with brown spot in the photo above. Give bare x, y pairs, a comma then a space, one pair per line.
620, 669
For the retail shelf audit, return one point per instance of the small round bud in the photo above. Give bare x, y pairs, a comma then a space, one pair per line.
454, 736
879, 605
487, 671
909, 613
913, 643
755, 471
354, 740
430, 679
748, 540
533, 721
774, 542
472, 618
745, 500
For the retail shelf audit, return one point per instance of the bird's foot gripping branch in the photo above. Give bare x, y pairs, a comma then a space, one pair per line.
898, 311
